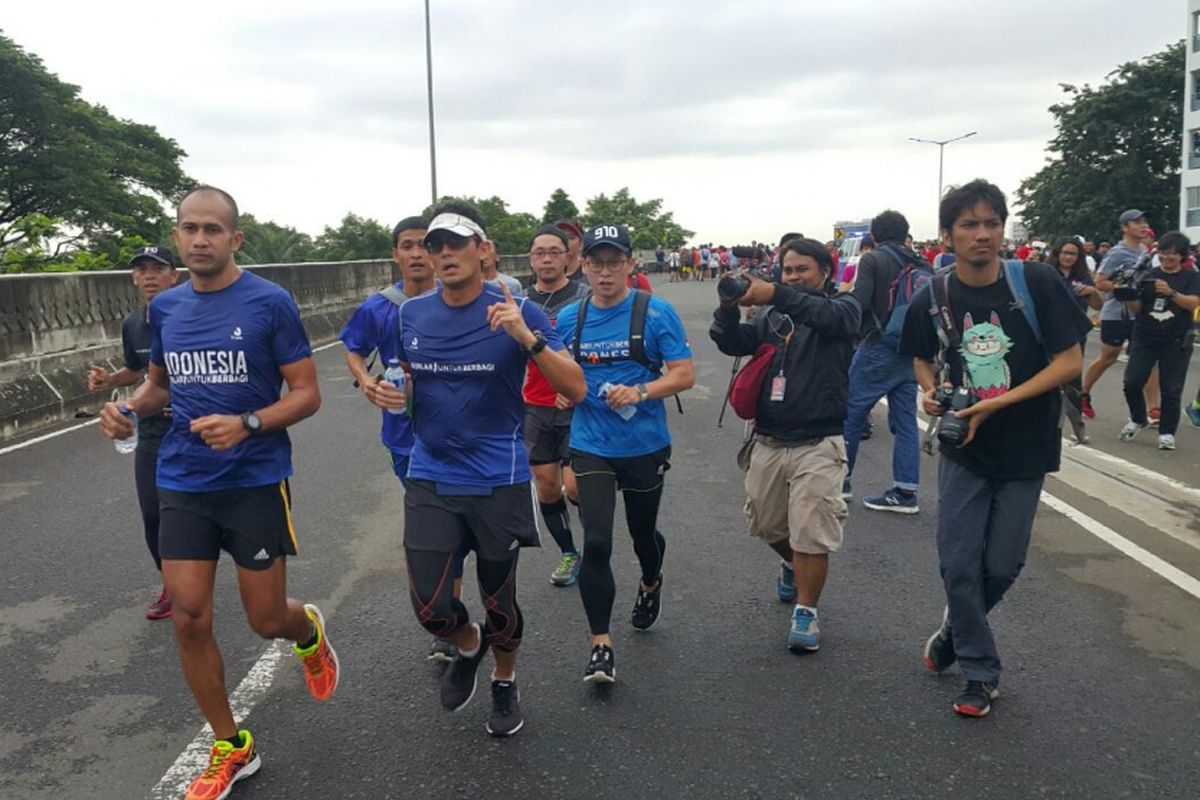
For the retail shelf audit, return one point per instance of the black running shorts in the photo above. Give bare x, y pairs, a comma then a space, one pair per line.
547, 434
633, 474
1115, 332
253, 525
494, 526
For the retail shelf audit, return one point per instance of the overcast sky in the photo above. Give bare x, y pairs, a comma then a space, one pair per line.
748, 118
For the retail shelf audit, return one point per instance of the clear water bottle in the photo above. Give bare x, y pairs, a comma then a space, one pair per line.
127, 445
394, 374
624, 412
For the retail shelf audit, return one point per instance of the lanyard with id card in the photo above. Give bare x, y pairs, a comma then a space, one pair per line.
779, 381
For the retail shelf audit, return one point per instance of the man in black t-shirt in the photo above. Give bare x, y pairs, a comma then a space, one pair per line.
989, 486
1162, 336
153, 270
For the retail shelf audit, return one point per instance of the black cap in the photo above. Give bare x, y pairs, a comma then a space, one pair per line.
607, 235
160, 254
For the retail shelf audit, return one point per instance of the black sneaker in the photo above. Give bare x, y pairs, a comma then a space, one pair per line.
506, 716
460, 678
601, 668
939, 649
647, 607
976, 699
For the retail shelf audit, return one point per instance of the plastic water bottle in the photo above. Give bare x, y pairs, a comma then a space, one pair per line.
394, 374
127, 445
624, 412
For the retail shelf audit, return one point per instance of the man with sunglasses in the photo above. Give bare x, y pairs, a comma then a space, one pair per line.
548, 413
619, 435
465, 347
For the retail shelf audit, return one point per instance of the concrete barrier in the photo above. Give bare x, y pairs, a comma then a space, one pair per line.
52, 326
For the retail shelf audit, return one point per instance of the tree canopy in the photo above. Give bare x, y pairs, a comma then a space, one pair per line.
1117, 146
649, 226
98, 179
559, 206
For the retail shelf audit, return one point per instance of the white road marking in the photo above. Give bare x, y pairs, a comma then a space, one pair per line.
194, 759
37, 439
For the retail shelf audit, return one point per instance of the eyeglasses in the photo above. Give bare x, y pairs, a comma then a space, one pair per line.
552, 252
607, 265
446, 239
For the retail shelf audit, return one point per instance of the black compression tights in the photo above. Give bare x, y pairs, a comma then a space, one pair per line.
431, 586
597, 504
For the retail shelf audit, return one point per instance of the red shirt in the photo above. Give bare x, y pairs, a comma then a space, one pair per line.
640, 281
1023, 252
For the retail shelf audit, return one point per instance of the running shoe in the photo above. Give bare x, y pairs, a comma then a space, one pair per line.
976, 699
939, 649
320, 661
786, 585
806, 632
462, 676
160, 608
1131, 430
506, 716
1154, 415
601, 667
567, 571
441, 651
647, 607
1193, 412
226, 766
895, 500
847, 493
1123, 358
1086, 406
1166, 442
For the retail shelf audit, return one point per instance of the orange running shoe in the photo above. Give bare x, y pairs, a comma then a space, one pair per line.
320, 662
226, 766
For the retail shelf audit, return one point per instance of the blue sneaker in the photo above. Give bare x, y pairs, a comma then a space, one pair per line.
786, 583
897, 500
806, 632
1193, 412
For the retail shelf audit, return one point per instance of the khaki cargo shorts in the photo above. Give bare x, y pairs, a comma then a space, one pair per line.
794, 493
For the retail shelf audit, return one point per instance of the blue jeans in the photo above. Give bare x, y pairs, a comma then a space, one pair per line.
877, 371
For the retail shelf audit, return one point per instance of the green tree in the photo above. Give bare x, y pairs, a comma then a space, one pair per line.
272, 243
649, 226
68, 160
353, 239
559, 206
1117, 146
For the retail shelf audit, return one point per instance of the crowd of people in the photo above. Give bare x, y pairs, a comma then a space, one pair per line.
502, 404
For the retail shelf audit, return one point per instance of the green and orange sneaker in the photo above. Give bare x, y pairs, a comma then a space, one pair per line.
226, 766
320, 661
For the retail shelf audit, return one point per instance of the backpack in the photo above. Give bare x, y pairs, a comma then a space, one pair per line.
637, 336
912, 277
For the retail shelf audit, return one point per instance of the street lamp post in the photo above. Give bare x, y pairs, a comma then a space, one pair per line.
429, 81
941, 151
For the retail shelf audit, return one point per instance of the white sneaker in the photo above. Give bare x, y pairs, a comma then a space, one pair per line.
1130, 430
1166, 442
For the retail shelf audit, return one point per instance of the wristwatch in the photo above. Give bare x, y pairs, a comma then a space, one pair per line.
252, 423
539, 344
643, 392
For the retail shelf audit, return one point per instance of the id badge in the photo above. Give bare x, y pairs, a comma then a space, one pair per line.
778, 385
1160, 304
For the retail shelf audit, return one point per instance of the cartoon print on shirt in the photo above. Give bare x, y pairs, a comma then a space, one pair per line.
984, 345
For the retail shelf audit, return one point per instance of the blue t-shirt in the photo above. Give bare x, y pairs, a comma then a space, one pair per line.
371, 328
596, 428
468, 412
222, 351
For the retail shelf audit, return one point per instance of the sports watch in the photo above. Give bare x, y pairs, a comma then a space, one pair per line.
643, 392
539, 344
252, 423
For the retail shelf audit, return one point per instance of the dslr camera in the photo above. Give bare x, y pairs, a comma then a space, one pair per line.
731, 288
1134, 282
953, 431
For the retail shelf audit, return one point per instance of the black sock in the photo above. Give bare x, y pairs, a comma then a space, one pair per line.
559, 523
236, 741
310, 642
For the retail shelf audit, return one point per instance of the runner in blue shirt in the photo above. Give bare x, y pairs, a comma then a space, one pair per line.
465, 346
619, 435
221, 347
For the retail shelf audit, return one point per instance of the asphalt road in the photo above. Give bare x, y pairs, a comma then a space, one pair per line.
1102, 652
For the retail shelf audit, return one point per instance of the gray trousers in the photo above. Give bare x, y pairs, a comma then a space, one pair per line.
983, 535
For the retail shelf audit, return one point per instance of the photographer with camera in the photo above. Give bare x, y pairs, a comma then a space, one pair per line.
1162, 301
1009, 334
798, 462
